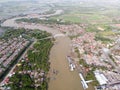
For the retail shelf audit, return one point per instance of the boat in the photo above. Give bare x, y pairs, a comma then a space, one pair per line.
71, 67
71, 64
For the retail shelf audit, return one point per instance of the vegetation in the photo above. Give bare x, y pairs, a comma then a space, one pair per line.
83, 63
39, 34
90, 76
22, 82
103, 39
39, 55
77, 51
40, 21
12, 33
83, 13
38, 60
111, 57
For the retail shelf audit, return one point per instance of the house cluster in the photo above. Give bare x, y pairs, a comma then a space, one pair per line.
71, 30
10, 50
106, 56
90, 49
108, 80
37, 75
115, 52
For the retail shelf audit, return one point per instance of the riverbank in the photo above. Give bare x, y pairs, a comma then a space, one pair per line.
64, 79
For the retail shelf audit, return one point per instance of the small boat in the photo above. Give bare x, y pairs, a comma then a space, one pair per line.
71, 67
71, 64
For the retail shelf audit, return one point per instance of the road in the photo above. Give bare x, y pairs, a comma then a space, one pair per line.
64, 80
16, 64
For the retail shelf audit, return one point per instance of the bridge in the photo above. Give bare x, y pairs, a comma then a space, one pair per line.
55, 36
58, 35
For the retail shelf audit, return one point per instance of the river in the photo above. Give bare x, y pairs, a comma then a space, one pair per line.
64, 79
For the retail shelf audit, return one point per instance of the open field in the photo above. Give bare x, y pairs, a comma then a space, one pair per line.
9, 9
77, 17
90, 24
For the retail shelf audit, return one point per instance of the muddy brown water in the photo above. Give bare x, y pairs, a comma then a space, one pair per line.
64, 79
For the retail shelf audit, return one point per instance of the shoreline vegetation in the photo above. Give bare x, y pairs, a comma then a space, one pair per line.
90, 74
36, 61
76, 80
97, 24
44, 21
48, 21
100, 35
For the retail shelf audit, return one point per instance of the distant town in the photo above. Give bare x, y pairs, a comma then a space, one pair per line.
60, 45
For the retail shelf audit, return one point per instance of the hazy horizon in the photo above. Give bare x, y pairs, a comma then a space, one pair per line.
64, 0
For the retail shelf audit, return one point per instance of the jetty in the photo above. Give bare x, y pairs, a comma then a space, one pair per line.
84, 83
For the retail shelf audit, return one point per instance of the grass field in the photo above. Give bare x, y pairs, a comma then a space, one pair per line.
90, 18
98, 20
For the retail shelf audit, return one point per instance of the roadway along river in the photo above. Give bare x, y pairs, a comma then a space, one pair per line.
64, 80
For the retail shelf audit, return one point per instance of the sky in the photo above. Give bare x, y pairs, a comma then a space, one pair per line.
108, 1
